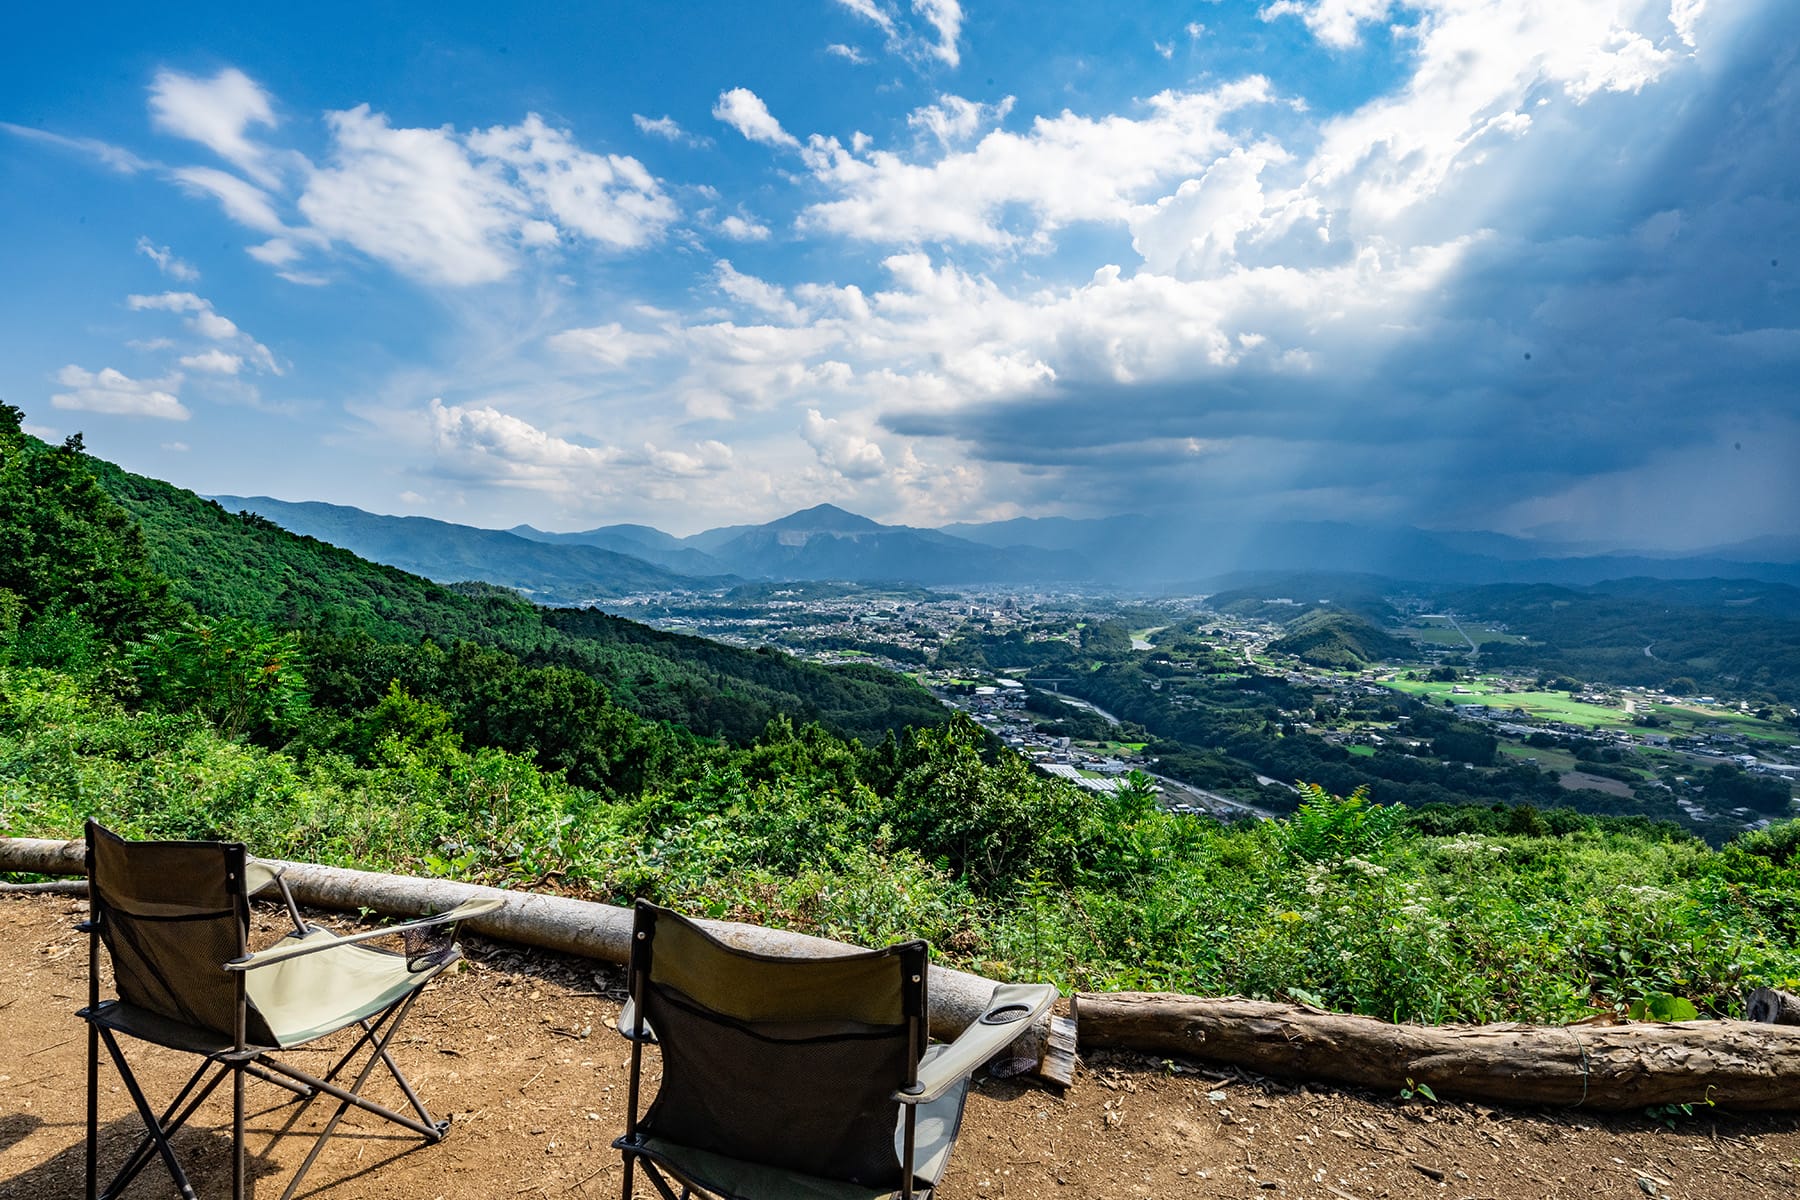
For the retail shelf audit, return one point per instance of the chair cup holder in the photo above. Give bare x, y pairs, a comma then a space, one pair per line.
1006, 1014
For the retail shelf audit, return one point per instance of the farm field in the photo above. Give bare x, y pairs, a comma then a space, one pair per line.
1553, 706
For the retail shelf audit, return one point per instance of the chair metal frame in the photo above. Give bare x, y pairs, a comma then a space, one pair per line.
234, 1054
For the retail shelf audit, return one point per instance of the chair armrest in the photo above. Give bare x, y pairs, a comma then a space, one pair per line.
260, 874
628, 1023
283, 952
985, 1037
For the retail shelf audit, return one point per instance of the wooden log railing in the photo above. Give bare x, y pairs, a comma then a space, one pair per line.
546, 921
1735, 1064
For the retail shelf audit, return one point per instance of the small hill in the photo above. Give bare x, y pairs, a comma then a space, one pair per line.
1339, 640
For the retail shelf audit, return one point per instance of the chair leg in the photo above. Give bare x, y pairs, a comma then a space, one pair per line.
625, 1192
144, 1110
169, 1123
662, 1187
93, 1111
237, 1132
433, 1131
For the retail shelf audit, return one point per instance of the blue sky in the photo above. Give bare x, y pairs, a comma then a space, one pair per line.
1520, 265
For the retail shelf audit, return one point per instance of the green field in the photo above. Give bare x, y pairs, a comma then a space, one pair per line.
1678, 720
1439, 631
1549, 706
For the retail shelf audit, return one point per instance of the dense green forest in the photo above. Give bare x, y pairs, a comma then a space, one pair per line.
341, 713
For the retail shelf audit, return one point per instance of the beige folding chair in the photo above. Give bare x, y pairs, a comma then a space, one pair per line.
174, 918
796, 1079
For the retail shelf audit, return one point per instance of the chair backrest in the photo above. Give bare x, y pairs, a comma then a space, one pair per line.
170, 914
787, 1062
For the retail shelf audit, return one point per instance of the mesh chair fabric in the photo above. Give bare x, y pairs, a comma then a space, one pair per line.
170, 914
786, 1063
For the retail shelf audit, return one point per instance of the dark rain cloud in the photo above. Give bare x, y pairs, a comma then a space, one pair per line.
1636, 298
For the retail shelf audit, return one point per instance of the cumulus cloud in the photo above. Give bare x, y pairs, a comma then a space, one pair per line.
849, 454
1019, 188
743, 229
117, 394
953, 119
442, 206
480, 442
665, 127
744, 111
610, 198
1337, 23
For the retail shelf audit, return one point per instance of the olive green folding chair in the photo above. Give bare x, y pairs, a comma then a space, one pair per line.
792, 1078
174, 919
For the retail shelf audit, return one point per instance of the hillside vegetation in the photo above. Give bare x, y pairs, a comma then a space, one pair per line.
349, 726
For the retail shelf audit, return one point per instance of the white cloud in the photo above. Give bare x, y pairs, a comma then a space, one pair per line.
1195, 231
942, 19
1337, 23
243, 202
945, 17
441, 206
744, 229
1013, 188
116, 158
414, 199
166, 262
665, 127
871, 12
176, 447
608, 198
953, 119
117, 394
214, 362
216, 112
481, 442
744, 111
849, 54
849, 454
202, 319
611, 344
758, 294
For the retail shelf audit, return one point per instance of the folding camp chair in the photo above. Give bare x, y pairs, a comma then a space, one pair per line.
796, 1079
175, 918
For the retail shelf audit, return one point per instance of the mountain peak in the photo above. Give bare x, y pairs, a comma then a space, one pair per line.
825, 518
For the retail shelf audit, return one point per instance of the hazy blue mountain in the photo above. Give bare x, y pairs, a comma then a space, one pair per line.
550, 574
639, 541
826, 542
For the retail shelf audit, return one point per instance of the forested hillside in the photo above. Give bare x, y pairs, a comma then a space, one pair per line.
203, 706
362, 624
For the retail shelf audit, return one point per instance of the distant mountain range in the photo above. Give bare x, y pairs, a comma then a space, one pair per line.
448, 553
828, 543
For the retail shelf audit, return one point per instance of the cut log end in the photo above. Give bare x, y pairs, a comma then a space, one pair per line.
1771, 1006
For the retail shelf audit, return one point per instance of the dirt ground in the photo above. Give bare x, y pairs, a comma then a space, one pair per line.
519, 1048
